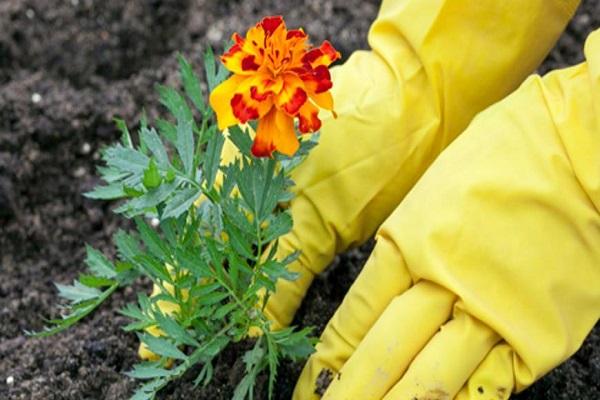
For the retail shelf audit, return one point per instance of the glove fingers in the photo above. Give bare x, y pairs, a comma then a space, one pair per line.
441, 369
383, 278
493, 378
395, 339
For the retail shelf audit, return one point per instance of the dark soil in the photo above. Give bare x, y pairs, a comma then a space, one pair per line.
66, 69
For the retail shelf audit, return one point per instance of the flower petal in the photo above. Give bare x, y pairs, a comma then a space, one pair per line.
308, 118
292, 95
317, 80
263, 145
240, 62
323, 100
275, 132
220, 101
323, 55
285, 141
270, 24
253, 98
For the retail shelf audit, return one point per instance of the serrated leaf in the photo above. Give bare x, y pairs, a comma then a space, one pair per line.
95, 281
167, 130
280, 225
185, 145
127, 245
211, 298
148, 372
108, 192
125, 136
212, 158
191, 84
99, 264
215, 73
224, 310
241, 139
176, 104
77, 292
174, 330
152, 240
126, 159
151, 139
181, 202
162, 346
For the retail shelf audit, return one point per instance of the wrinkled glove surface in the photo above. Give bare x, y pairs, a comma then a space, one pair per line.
487, 275
434, 64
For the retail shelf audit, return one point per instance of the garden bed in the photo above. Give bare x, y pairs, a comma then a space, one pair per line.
66, 69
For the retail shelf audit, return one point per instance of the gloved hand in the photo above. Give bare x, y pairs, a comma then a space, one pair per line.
488, 273
433, 65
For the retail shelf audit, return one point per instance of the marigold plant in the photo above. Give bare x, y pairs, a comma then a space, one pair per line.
277, 77
210, 249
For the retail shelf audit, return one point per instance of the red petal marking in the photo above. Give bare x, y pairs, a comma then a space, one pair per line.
295, 102
232, 50
328, 49
249, 63
269, 24
308, 118
237, 38
323, 77
295, 33
311, 56
241, 110
256, 95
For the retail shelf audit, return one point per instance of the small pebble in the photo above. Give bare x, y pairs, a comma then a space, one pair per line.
74, 3
79, 172
154, 222
86, 148
30, 13
10, 380
36, 98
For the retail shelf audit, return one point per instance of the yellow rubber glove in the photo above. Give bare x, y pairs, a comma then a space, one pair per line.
487, 275
433, 65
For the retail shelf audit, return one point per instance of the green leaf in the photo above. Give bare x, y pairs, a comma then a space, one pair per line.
152, 240
141, 371
224, 310
99, 264
181, 202
152, 178
162, 347
151, 139
77, 292
126, 159
241, 139
167, 129
215, 71
152, 198
176, 104
95, 281
174, 330
127, 245
212, 159
153, 267
109, 192
191, 84
280, 225
125, 136
185, 145
77, 312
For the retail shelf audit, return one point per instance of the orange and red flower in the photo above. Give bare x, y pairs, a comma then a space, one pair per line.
277, 77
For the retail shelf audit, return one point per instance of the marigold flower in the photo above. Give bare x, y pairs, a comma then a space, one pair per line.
277, 77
